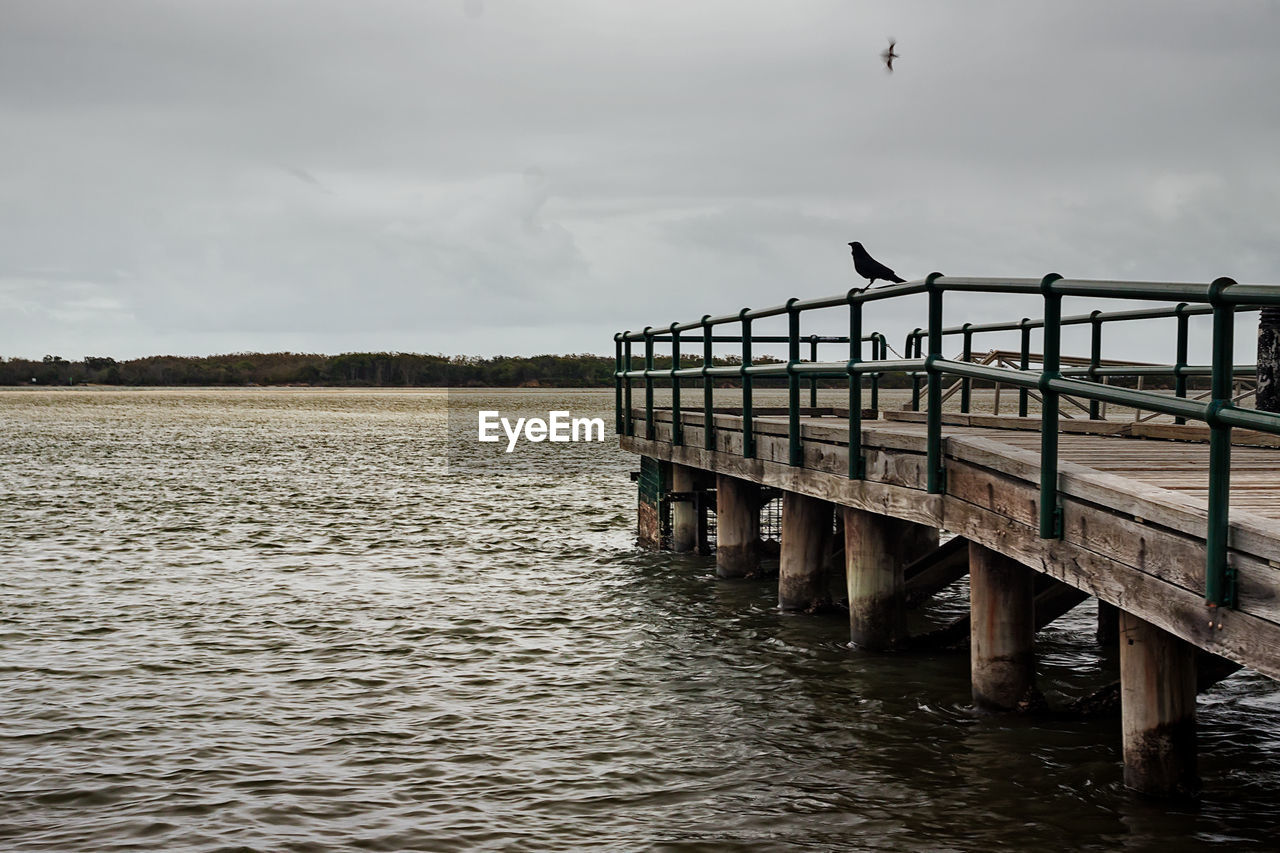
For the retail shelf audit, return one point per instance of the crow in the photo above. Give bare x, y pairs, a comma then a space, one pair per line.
869, 268
889, 56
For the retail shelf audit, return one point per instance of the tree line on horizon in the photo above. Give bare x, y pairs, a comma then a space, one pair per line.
368, 369
371, 369
374, 369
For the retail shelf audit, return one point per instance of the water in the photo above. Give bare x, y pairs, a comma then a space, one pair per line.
289, 620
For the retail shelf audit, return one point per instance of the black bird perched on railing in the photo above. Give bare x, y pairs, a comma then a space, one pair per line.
869, 268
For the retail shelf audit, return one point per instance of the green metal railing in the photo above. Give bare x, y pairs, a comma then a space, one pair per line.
1222, 299
1179, 371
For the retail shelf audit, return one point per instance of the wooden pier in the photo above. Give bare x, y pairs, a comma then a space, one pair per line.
1042, 512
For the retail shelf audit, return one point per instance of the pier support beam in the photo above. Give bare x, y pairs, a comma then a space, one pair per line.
1002, 631
684, 513
806, 535
1157, 709
1108, 625
737, 527
877, 550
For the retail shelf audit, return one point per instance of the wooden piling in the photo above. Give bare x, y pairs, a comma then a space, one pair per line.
1157, 709
737, 527
806, 534
877, 550
1002, 631
652, 484
684, 512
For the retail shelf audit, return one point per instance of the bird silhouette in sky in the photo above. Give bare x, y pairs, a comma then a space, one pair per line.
869, 268
889, 56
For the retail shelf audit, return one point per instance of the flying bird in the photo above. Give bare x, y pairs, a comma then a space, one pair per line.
869, 268
889, 56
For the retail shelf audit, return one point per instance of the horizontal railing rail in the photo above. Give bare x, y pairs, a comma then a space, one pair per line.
1096, 320
1244, 378
1221, 299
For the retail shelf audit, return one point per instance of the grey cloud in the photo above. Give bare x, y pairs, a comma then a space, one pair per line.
499, 176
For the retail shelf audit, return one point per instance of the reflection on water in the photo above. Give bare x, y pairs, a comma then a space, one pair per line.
290, 620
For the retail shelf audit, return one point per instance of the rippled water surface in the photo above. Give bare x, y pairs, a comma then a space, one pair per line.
290, 620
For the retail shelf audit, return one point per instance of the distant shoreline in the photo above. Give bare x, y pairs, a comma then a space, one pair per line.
284, 369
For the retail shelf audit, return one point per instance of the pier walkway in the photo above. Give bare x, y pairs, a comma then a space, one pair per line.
1171, 519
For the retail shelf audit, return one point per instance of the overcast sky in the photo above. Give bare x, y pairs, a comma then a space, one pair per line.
484, 176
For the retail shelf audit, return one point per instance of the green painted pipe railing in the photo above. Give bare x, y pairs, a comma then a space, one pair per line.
1178, 371
924, 359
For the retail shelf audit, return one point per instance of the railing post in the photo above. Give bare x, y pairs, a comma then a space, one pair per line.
879, 351
1024, 364
1050, 512
966, 356
1220, 586
1180, 359
677, 428
648, 383
813, 380
935, 475
914, 338
618, 426
628, 424
796, 451
708, 427
1095, 359
748, 415
857, 462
